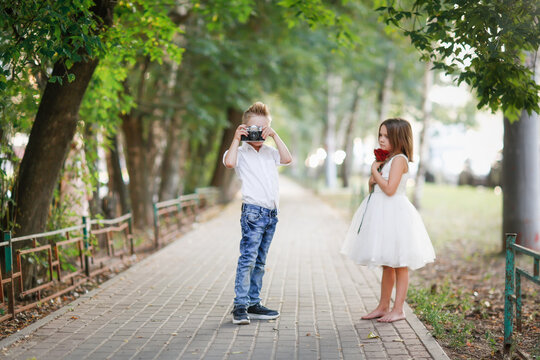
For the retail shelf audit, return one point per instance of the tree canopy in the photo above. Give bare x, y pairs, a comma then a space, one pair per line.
484, 43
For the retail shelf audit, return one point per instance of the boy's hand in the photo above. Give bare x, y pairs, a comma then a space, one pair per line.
268, 131
240, 130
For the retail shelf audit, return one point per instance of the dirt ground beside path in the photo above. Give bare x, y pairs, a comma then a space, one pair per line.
478, 286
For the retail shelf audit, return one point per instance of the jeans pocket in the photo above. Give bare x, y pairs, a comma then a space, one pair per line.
253, 217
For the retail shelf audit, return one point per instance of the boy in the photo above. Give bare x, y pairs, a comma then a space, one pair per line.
256, 166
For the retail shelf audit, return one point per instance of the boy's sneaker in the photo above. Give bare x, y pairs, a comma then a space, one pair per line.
240, 315
262, 313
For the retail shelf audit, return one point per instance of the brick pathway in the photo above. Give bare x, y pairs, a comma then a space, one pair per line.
176, 303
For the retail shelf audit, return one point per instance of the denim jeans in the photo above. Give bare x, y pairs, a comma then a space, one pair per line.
258, 227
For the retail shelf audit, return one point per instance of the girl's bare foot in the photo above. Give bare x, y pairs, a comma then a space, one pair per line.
377, 313
392, 316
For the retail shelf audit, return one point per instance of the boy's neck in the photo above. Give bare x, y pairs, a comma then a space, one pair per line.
257, 148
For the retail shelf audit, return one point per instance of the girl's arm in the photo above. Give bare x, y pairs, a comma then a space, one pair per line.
389, 187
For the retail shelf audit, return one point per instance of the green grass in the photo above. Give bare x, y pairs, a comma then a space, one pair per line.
466, 213
444, 310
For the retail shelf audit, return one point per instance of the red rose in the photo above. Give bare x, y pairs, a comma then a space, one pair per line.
380, 154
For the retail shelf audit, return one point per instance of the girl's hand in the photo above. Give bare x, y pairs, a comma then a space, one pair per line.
371, 183
375, 166
268, 131
240, 130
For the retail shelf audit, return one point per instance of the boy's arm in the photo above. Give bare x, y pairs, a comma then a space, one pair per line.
285, 156
229, 160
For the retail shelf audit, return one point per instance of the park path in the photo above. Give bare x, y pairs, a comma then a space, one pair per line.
176, 303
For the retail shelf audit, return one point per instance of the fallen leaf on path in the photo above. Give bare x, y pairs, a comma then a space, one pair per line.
371, 335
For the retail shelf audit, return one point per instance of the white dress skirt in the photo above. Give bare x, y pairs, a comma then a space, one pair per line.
388, 230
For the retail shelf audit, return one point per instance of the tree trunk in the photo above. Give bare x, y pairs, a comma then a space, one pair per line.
140, 153
90, 153
348, 137
386, 90
73, 191
139, 182
118, 193
48, 145
199, 169
334, 87
521, 180
521, 176
223, 178
424, 139
169, 187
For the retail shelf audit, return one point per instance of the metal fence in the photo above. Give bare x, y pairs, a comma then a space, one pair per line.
43, 266
512, 291
171, 217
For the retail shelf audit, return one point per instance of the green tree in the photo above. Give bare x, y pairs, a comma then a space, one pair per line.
64, 40
483, 43
78, 34
492, 46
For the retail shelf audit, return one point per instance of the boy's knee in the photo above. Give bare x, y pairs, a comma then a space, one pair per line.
248, 260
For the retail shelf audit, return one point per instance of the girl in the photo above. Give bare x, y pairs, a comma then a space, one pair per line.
386, 229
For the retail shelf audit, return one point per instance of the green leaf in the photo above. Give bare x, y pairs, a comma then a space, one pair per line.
512, 114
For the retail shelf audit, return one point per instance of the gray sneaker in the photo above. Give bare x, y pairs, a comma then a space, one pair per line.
261, 313
240, 315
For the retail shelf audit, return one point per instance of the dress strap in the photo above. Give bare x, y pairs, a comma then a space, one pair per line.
406, 158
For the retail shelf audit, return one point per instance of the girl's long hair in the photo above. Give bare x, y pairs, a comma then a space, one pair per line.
400, 136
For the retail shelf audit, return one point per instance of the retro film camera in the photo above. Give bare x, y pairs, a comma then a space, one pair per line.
254, 134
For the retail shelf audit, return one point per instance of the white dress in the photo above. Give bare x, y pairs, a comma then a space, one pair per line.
388, 230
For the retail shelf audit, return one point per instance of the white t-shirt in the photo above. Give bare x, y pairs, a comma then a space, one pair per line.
257, 170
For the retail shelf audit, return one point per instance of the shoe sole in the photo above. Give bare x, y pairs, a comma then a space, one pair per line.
240, 322
262, 317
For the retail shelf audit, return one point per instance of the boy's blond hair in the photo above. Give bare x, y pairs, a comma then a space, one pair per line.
257, 109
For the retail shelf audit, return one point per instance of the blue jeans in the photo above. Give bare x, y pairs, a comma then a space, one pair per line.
258, 227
